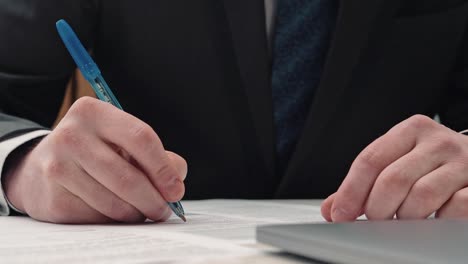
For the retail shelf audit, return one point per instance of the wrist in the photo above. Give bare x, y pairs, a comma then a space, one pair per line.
13, 169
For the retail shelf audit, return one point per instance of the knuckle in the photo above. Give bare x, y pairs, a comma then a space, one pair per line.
413, 125
144, 134
54, 169
166, 173
85, 106
67, 136
424, 193
420, 122
370, 157
447, 144
112, 162
395, 178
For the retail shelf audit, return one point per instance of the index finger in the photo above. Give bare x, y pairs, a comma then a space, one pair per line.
142, 143
352, 195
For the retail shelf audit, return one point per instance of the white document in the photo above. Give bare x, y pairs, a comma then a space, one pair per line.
216, 229
235, 220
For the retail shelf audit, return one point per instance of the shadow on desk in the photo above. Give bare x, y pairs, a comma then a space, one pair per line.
294, 258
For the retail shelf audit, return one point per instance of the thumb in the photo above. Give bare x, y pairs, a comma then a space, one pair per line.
326, 207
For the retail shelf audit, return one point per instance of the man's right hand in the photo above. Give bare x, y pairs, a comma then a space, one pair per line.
99, 165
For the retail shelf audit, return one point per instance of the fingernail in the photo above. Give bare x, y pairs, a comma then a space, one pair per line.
340, 215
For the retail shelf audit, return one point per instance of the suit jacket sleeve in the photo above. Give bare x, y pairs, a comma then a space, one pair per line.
454, 113
35, 67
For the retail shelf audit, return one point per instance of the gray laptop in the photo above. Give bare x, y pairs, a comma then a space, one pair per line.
425, 241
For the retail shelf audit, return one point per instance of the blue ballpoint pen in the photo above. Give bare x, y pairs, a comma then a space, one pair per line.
92, 74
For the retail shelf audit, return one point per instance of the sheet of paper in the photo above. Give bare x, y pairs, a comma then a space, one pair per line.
216, 229
235, 220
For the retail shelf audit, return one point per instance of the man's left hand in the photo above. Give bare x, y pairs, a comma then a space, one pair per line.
417, 168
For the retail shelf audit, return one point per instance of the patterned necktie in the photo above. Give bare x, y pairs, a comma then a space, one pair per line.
302, 36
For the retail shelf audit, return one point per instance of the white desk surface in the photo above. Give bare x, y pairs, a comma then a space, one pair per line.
217, 231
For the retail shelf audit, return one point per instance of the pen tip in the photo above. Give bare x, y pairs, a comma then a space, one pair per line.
183, 218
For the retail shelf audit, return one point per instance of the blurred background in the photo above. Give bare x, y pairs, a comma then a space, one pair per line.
76, 88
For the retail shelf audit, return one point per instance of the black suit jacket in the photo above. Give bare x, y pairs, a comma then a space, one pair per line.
199, 73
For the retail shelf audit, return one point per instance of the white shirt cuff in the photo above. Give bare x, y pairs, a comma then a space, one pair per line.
6, 148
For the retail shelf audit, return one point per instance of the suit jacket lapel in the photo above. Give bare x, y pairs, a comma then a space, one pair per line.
248, 30
354, 30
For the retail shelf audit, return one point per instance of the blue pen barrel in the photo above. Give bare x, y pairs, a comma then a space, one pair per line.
103, 91
78, 52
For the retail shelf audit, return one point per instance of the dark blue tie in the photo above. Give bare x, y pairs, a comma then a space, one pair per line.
302, 36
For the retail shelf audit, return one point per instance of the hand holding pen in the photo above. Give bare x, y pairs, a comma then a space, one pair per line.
98, 165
